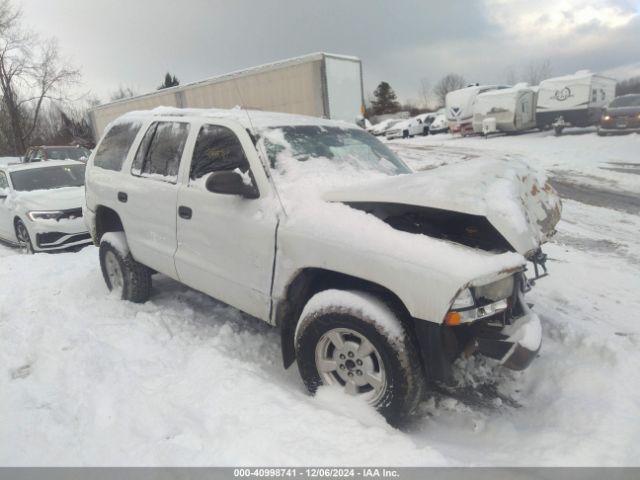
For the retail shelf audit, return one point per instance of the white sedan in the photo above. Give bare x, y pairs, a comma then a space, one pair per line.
41, 205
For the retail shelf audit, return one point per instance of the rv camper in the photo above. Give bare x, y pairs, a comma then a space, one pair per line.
505, 110
459, 106
320, 85
573, 100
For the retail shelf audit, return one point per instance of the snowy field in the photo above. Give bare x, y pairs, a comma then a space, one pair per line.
183, 380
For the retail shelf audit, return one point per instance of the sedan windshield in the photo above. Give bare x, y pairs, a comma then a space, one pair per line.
67, 153
47, 178
341, 146
626, 101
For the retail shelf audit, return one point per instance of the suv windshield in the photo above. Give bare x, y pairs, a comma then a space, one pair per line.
46, 178
626, 101
341, 146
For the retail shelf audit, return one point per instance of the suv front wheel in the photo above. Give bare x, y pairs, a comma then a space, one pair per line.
353, 341
124, 276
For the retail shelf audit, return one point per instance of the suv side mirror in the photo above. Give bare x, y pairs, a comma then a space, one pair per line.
230, 183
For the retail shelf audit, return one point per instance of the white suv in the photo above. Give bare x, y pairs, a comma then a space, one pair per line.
377, 277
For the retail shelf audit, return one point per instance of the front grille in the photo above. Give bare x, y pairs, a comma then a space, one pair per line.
59, 239
71, 213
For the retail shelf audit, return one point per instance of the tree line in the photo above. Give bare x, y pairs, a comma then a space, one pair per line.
37, 104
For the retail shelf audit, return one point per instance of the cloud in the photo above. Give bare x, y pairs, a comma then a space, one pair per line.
134, 43
545, 20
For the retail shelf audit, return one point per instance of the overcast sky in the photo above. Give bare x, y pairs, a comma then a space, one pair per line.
134, 42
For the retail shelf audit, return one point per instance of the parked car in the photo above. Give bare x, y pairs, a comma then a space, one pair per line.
440, 124
621, 116
382, 127
418, 125
41, 205
376, 277
43, 153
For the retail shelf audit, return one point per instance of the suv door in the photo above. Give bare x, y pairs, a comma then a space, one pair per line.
226, 243
148, 197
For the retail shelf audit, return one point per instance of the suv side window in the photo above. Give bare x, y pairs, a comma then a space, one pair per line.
217, 148
115, 145
160, 150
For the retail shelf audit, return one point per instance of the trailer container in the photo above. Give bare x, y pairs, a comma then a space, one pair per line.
573, 100
320, 84
505, 110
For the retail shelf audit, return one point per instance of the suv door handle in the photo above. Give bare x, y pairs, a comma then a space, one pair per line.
122, 197
185, 212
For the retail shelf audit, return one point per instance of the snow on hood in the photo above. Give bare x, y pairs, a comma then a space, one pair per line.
518, 201
303, 188
51, 199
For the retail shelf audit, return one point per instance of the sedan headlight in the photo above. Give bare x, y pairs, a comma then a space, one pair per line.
606, 118
45, 215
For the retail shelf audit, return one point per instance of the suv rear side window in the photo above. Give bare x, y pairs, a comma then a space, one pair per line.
115, 145
160, 151
217, 148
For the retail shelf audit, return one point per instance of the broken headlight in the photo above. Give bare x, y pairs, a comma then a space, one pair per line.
484, 301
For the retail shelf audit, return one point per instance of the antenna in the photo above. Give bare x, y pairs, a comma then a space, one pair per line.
261, 153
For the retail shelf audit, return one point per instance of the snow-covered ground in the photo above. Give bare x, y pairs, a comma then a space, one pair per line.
90, 380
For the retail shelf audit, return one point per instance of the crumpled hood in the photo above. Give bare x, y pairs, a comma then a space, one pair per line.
517, 200
53, 199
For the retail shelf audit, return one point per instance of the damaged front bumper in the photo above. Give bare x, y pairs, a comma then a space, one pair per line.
513, 337
515, 345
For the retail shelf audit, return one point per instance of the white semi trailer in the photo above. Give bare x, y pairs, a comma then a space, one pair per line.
320, 85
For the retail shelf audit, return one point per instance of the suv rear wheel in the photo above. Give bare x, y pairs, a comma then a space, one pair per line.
353, 341
124, 276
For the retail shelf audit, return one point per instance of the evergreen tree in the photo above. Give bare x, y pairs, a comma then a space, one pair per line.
169, 81
385, 100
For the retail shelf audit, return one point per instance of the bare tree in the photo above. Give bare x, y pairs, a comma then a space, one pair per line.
535, 72
425, 92
123, 91
447, 84
510, 75
31, 73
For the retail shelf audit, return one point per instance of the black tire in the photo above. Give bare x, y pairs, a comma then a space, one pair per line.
136, 278
405, 382
425, 131
405, 134
24, 240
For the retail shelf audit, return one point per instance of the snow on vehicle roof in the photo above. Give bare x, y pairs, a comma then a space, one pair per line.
520, 87
13, 167
473, 89
581, 76
247, 118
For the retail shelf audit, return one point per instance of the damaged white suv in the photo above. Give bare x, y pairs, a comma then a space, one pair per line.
377, 277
